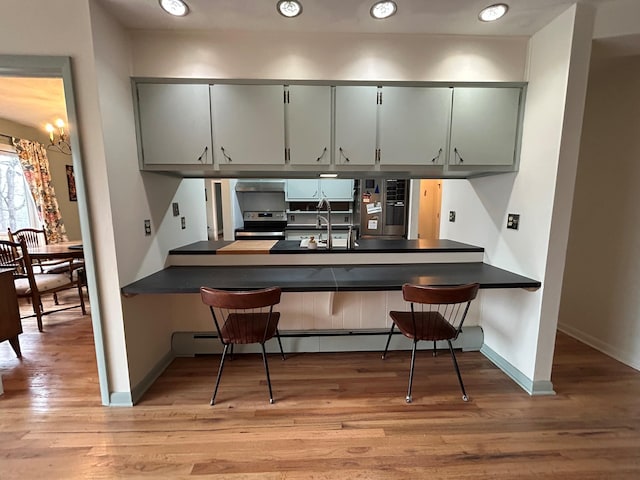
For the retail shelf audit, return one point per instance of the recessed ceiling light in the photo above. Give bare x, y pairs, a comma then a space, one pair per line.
384, 9
328, 175
176, 8
289, 9
493, 12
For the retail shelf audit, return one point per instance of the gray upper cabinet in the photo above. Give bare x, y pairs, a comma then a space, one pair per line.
355, 125
414, 125
308, 121
484, 126
248, 124
174, 124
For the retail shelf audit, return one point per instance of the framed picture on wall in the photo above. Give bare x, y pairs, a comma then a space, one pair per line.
71, 183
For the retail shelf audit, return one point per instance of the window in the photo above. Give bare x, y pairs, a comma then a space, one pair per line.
17, 208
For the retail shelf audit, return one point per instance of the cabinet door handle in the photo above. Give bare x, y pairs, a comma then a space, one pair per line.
225, 155
322, 154
346, 159
458, 156
437, 157
204, 154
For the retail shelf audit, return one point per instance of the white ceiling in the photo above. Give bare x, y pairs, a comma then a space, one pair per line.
459, 17
35, 102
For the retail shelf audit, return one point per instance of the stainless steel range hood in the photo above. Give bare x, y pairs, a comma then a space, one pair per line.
260, 186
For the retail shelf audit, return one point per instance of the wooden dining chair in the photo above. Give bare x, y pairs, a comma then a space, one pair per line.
34, 238
15, 256
436, 313
244, 317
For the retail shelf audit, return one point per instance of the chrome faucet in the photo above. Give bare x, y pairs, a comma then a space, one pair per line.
324, 201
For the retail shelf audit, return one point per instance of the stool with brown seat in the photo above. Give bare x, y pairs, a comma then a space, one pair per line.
242, 318
437, 313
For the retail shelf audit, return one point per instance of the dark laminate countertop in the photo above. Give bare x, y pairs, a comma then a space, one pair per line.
326, 278
364, 246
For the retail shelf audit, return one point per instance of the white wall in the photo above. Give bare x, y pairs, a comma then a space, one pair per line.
322, 57
600, 303
617, 18
135, 197
520, 326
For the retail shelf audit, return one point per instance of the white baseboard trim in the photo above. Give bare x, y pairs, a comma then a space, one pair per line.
188, 344
129, 399
601, 346
138, 390
539, 387
120, 399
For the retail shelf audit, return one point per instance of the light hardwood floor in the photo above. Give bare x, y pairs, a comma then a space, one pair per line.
336, 416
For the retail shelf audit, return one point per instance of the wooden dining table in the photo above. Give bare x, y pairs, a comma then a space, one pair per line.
57, 250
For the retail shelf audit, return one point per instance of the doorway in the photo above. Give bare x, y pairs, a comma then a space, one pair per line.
60, 67
429, 209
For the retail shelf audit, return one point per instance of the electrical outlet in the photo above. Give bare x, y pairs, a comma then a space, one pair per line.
452, 216
176, 209
183, 223
147, 228
513, 221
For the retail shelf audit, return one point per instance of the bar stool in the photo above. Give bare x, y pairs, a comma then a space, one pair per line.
242, 318
437, 313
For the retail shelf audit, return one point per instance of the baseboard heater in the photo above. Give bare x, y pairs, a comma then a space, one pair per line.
188, 344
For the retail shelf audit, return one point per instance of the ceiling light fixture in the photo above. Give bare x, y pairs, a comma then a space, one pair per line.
384, 9
289, 9
493, 12
58, 138
177, 8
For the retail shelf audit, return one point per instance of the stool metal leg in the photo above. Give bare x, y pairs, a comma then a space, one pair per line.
455, 364
280, 343
266, 369
215, 391
386, 347
413, 362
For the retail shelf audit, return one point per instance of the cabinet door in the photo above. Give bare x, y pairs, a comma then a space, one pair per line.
414, 125
248, 124
484, 126
174, 124
356, 124
308, 111
302, 190
337, 189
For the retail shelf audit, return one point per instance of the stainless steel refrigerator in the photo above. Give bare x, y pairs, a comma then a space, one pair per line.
383, 208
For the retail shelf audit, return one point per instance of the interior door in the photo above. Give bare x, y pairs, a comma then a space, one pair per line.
429, 209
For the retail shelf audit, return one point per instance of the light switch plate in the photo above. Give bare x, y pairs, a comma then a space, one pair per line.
176, 209
513, 221
183, 223
452, 216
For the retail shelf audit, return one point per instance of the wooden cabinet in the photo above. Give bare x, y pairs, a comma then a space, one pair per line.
248, 124
174, 124
355, 125
308, 124
484, 126
414, 125
10, 324
306, 190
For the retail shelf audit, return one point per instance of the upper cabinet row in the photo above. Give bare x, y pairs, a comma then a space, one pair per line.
223, 128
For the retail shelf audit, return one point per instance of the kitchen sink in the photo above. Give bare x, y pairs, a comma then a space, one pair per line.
337, 243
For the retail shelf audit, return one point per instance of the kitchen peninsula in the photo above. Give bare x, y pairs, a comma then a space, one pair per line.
339, 297
371, 265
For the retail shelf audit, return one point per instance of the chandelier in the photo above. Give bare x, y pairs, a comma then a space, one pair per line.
58, 138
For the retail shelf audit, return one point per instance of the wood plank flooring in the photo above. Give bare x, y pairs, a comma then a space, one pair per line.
336, 416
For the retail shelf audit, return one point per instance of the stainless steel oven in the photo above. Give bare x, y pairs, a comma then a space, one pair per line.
262, 226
